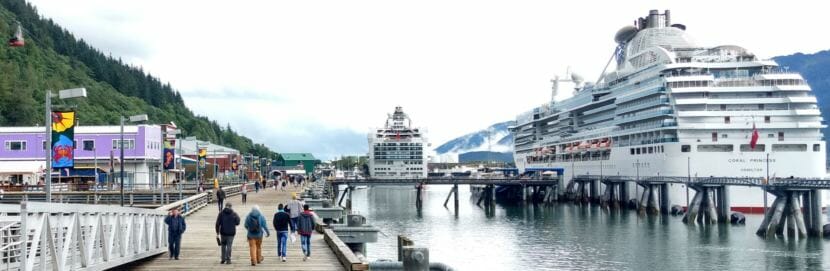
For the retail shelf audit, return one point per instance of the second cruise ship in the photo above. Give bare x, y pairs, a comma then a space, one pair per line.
674, 108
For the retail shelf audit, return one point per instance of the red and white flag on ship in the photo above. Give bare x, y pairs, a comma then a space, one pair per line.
754, 140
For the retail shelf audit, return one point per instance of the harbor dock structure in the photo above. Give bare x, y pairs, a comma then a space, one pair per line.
797, 204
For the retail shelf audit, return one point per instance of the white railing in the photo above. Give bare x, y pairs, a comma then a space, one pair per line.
86, 237
41, 236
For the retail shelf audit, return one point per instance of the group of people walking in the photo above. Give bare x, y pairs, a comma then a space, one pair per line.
291, 218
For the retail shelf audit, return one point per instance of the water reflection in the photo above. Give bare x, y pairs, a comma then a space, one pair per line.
566, 236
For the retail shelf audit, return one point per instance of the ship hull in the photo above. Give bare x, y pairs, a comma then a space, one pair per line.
673, 162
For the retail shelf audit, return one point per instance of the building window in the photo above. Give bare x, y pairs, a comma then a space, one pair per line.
15, 145
726, 120
780, 136
89, 145
766, 119
129, 144
632, 151
723, 136
816, 147
685, 148
76, 144
650, 149
770, 135
638, 150
714, 137
761, 107
723, 107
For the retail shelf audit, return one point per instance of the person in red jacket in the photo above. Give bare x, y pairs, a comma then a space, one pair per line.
305, 226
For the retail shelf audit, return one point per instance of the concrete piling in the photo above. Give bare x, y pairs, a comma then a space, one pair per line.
653, 207
786, 216
694, 209
664, 199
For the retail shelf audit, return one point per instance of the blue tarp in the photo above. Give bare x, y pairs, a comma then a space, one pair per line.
82, 172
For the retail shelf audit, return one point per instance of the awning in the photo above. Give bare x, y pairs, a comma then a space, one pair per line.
21, 167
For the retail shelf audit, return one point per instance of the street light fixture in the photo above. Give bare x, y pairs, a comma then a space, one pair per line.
62, 94
136, 118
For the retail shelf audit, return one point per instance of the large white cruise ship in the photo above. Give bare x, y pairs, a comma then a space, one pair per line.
397, 149
673, 108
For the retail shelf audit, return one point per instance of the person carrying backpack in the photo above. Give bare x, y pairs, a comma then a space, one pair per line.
256, 225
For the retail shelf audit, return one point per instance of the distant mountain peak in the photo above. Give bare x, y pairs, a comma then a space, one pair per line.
500, 140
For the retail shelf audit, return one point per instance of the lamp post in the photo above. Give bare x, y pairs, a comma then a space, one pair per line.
136, 118
62, 94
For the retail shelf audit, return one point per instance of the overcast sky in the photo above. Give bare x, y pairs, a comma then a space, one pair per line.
315, 76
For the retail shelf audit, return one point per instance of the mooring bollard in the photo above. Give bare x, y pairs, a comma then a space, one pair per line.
403, 241
415, 258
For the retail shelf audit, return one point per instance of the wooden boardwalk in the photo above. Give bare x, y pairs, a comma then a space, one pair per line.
200, 252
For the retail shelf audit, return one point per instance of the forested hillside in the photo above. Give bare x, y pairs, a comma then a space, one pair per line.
55, 59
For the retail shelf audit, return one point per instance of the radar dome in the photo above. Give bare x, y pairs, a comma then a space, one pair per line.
625, 34
577, 78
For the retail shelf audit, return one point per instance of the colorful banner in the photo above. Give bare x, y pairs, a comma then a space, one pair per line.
202, 158
169, 158
63, 139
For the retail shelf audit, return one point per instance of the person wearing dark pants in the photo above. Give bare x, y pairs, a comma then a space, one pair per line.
175, 228
226, 224
281, 222
243, 190
295, 207
305, 226
220, 198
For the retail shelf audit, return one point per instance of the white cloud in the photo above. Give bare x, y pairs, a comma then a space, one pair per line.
455, 67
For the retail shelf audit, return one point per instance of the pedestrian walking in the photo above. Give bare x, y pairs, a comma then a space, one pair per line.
256, 225
295, 207
226, 224
256, 187
175, 228
306, 226
284, 183
281, 225
244, 191
220, 197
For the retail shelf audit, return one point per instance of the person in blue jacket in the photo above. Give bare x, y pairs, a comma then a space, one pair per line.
175, 228
256, 225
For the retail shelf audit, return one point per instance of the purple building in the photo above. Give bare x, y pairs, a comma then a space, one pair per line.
23, 154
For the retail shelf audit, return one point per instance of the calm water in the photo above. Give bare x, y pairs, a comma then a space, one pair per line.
571, 237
